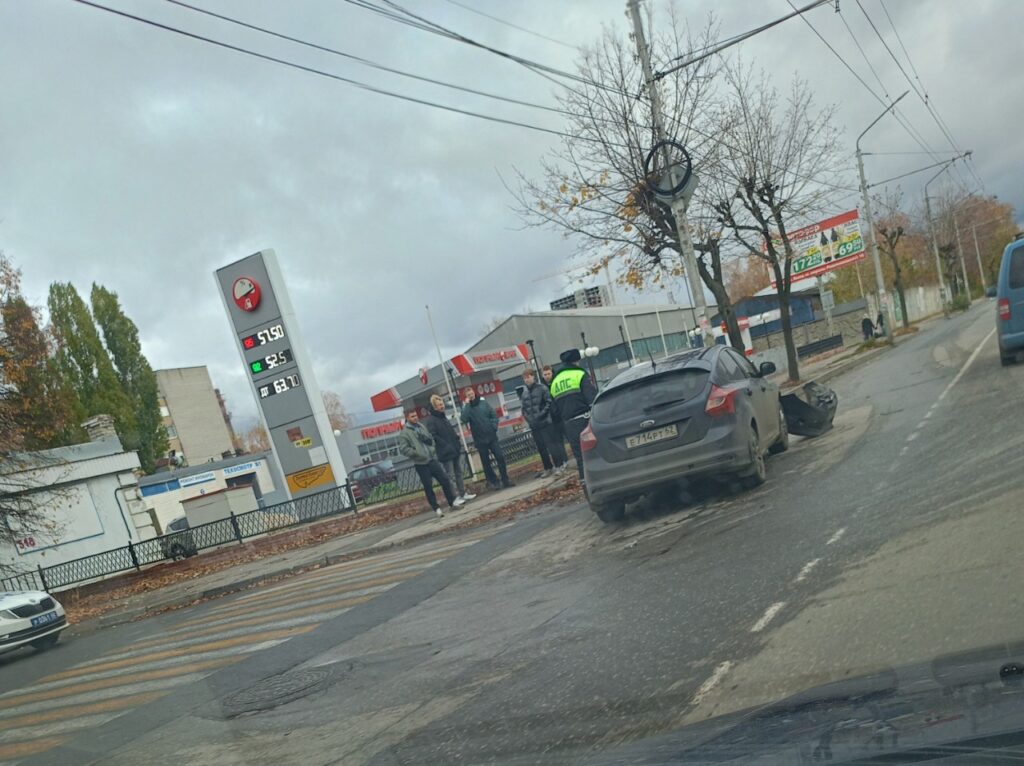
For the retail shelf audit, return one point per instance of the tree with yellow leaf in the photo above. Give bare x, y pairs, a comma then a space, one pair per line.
593, 188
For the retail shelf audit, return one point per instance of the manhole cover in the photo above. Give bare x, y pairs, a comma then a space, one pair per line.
274, 691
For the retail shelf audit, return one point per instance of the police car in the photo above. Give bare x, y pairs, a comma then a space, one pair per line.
30, 617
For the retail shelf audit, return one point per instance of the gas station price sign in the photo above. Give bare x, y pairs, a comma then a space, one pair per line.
279, 386
263, 337
269, 362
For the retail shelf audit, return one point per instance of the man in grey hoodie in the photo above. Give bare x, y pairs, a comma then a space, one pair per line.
416, 443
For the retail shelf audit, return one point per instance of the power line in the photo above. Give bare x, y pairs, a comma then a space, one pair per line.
510, 24
885, 91
912, 172
364, 61
905, 124
921, 94
339, 78
735, 39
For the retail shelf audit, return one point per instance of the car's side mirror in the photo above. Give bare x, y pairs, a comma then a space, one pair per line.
766, 369
990, 292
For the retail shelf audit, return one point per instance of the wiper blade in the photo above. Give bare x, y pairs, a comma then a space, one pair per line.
666, 403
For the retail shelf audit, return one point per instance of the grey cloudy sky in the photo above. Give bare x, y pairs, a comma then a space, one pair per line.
144, 160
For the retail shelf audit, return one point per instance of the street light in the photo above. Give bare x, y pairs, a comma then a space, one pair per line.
931, 228
884, 305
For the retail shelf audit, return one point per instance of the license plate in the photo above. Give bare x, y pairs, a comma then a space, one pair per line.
44, 619
649, 437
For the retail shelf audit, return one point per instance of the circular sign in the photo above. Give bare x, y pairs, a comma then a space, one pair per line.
675, 157
246, 293
424, 375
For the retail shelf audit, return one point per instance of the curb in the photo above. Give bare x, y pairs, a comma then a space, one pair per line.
122, 617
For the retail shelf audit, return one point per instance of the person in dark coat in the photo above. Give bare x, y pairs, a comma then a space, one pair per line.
448, 446
537, 404
573, 393
867, 327
483, 423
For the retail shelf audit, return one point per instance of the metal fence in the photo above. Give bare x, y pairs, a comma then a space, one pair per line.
174, 545
235, 528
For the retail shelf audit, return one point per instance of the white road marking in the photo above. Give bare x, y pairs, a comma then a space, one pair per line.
769, 613
913, 436
967, 364
929, 413
894, 466
903, 451
807, 570
713, 680
837, 536
922, 424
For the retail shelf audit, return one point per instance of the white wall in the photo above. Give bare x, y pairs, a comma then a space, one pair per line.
82, 519
166, 506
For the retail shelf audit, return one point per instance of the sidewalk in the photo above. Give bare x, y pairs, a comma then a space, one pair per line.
361, 543
825, 368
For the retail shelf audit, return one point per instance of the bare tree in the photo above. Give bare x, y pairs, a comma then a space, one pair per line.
593, 188
336, 412
776, 166
890, 227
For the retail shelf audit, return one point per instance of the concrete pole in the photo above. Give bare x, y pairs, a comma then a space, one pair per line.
977, 253
678, 205
935, 250
661, 331
963, 263
828, 311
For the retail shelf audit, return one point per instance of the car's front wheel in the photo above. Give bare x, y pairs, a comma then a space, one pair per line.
782, 443
46, 642
610, 512
758, 472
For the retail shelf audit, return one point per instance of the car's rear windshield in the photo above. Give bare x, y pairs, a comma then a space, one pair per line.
634, 398
1016, 280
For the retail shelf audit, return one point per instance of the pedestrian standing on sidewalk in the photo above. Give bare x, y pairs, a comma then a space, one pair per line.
537, 404
448, 446
867, 327
573, 392
483, 423
416, 443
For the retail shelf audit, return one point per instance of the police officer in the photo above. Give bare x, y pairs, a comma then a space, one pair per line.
573, 392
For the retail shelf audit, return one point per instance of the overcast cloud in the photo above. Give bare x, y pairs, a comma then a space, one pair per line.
143, 160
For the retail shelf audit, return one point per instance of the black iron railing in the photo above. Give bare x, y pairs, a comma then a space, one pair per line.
236, 528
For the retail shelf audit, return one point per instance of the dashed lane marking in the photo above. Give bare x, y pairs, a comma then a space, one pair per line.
837, 536
768, 616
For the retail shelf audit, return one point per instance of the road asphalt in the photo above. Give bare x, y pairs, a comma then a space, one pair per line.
889, 540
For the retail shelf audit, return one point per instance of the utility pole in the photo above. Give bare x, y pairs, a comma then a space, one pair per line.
963, 264
451, 392
977, 253
884, 304
679, 204
935, 250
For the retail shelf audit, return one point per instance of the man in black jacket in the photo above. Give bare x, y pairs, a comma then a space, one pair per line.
537, 404
448, 446
573, 392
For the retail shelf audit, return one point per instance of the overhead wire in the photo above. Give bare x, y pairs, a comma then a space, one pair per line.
332, 76
920, 92
735, 39
478, 12
364, 61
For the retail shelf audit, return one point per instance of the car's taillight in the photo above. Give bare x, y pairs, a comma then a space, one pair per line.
587, 439
1004, 308
721, 401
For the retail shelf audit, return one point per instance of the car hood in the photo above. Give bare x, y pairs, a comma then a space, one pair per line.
962, 708
21, 597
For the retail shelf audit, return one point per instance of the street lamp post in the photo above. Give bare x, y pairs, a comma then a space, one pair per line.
884, 304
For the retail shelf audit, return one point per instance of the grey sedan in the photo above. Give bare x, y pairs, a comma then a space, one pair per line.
707, 412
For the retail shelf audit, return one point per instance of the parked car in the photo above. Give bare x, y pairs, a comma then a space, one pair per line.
367, 478
1010, 302
31, 617
707, 412
177, 541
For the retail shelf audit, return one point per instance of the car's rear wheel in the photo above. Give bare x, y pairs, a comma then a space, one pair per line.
758, 472
46, 642
611, 512
782, 443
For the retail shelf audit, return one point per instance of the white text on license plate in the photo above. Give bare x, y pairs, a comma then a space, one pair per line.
648, 437
44, 619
